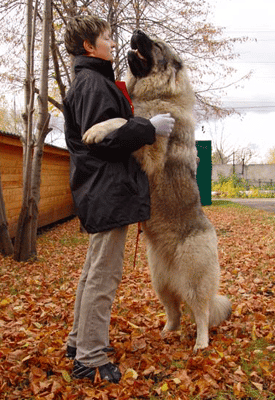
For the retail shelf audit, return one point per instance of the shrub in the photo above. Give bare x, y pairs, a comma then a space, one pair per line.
233, 186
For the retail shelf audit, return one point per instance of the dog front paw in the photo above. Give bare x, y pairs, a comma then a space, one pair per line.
94, 135
99, 131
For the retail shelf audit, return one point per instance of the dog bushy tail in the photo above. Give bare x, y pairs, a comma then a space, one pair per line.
220, 310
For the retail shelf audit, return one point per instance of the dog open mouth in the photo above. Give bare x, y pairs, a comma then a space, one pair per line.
140, 57
139, 54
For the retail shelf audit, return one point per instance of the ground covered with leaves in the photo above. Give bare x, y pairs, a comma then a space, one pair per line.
36, 314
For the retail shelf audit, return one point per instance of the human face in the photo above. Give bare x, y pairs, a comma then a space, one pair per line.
103, 48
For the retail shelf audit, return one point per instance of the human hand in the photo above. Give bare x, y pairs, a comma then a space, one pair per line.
163, 124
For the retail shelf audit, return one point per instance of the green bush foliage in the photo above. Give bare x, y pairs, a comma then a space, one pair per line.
233, 186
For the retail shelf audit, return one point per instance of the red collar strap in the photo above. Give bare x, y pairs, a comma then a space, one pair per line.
122, 86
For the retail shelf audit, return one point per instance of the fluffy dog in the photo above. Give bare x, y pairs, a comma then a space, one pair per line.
181, 241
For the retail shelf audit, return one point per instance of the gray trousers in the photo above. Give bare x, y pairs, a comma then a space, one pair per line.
101, 275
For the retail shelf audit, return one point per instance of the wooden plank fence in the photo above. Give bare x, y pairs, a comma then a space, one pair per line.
56, 200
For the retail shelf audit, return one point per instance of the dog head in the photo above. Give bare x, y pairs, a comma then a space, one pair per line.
155, 70
147, 54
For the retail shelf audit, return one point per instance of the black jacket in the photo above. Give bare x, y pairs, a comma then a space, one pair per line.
108, 186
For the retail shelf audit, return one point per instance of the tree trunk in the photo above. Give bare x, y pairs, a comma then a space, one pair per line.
22, 249
43, 123
25, 241
6, 247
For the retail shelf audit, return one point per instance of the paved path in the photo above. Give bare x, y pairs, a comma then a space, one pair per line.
260, 204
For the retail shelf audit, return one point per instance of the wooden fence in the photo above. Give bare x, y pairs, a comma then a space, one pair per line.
56, 201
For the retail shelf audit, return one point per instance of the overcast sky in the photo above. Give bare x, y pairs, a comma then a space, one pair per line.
255, 100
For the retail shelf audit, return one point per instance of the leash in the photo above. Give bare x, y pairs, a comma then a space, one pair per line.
137, 241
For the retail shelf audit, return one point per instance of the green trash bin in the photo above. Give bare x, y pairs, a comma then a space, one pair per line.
204, 171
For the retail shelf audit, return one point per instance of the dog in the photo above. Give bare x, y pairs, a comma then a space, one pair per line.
181, 241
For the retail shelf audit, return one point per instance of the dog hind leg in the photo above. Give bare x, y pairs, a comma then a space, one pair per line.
201, 313
160, 281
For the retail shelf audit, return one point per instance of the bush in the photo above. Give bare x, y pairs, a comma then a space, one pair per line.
233, 186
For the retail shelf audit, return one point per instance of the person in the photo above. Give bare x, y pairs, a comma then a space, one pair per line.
109, 189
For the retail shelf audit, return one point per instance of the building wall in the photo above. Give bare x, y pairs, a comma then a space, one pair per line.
56, 200
254, 173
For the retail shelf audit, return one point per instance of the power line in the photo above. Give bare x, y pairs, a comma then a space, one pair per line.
251, 107
248, 107
227, 31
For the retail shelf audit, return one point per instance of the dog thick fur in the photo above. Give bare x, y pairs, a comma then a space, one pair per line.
181, 241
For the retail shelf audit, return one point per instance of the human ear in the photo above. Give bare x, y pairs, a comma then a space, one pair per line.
88, 47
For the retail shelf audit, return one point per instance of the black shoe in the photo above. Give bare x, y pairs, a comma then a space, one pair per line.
108, 372
71, 351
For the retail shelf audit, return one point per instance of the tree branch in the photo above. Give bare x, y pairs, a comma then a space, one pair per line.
55, 103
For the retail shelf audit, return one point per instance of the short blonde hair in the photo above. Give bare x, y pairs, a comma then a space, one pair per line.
81, 28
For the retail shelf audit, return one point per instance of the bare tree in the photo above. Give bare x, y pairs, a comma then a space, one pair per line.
183, 24
224, 151
25, 240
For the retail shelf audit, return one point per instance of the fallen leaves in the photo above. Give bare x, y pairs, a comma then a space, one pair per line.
36, 314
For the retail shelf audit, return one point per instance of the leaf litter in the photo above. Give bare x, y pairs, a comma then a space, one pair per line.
36, 314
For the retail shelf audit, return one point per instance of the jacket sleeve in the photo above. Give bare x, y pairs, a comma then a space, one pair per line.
105, 102
130, 137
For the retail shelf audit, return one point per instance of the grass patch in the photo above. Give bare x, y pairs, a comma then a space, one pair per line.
74, 240
223, 203
179, 364
227, 204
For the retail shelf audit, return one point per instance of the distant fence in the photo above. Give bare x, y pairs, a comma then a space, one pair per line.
56, 200
255, 174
